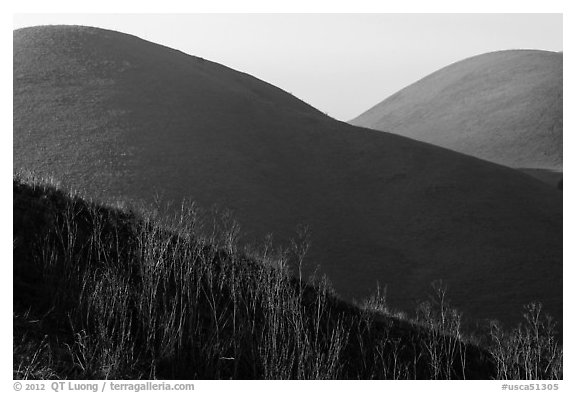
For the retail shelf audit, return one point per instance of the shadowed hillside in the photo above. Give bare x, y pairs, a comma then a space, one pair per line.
122, 118
504, 107
102, 293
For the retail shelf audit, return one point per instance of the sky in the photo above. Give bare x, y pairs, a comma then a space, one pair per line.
342, 64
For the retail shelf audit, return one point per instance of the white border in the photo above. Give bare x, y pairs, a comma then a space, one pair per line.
419, 6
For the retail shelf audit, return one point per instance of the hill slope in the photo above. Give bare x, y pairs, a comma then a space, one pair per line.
169, 304
504, 107
119, 117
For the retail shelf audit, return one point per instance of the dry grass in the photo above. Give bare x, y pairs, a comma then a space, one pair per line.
530, 351
122, 296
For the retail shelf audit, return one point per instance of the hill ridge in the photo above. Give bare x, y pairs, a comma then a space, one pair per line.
121, 119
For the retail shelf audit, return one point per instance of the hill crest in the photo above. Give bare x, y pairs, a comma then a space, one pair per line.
122, 118
504, 107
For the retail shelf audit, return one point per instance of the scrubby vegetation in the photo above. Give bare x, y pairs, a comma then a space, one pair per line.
103, 292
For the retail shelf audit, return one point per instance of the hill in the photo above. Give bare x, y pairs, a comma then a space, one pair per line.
504, 107
106, 293
125, 119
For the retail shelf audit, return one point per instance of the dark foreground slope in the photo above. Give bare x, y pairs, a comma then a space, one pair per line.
504, 107
119, 117
105, 293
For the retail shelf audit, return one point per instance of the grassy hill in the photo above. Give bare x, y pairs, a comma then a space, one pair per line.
101, 292
125, 119
504, 107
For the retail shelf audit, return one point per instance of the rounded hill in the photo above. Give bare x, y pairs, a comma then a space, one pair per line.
504, 107
119, 117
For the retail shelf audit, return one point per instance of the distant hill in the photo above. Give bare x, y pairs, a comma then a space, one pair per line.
122, 118
504, 107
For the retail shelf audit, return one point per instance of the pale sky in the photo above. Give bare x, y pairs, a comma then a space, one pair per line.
342, 64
